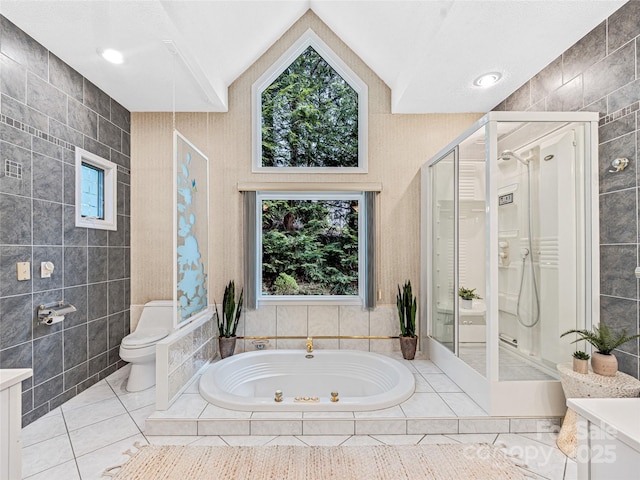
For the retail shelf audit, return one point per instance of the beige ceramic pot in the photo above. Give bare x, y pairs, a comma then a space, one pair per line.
605, 365
580, 366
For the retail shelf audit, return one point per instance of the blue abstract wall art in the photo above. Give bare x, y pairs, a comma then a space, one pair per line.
191, 229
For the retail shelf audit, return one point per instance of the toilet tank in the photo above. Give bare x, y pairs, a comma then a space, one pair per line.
157, 313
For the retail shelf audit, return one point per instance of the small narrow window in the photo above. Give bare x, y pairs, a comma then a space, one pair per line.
96, 191
92, 191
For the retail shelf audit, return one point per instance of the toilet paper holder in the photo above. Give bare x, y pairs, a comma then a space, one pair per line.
54, 312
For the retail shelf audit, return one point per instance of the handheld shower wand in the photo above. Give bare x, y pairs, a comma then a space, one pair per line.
508, 155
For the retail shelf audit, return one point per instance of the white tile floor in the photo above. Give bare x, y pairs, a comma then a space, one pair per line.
91, 432
511, 366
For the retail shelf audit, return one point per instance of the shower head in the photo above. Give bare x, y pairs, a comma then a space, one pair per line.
509, 154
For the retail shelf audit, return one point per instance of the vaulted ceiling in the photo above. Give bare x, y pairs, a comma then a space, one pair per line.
428, 52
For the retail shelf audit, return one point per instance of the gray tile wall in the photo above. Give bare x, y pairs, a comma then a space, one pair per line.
46, 110
601, 73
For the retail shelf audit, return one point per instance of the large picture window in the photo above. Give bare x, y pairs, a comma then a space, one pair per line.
310, 246
310, 113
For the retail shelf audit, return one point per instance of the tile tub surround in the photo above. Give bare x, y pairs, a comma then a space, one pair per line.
436, 407
180, 356
303, 321
599, 73
82, 437
47, 110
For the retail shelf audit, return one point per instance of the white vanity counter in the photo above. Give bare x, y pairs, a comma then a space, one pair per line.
608, 437
11, 421
11, 376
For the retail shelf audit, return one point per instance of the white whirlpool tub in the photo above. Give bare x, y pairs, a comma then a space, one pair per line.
363, 380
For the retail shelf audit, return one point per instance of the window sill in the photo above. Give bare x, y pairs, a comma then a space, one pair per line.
307, 301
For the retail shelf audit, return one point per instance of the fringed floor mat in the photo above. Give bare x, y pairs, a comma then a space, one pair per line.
384, 462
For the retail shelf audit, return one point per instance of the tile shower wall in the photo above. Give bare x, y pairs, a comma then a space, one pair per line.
46, 110
601, 73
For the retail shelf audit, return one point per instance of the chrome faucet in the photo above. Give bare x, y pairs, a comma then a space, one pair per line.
309, 344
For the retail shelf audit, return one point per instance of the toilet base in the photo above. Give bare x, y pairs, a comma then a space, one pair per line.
141, 376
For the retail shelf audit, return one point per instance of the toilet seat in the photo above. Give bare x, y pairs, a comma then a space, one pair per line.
141, 339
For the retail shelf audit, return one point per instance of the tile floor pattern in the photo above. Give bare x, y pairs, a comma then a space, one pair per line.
89, 433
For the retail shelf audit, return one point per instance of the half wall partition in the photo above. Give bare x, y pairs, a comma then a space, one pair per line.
509, 210
191, 345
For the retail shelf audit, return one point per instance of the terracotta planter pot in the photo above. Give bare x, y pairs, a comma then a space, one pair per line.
226, 346
580, 366
605, 365
408, 347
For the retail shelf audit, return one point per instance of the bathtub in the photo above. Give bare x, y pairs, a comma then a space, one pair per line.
363, 380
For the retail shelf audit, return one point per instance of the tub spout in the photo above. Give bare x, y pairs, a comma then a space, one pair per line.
309, 344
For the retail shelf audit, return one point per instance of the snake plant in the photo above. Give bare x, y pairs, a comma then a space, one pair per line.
406, 303
228, 323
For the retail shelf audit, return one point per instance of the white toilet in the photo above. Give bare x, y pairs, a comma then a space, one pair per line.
139, 347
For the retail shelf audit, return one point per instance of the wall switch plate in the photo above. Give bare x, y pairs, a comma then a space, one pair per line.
23, 270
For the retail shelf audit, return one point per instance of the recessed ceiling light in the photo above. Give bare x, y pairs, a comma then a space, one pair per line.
111, 55
487, 79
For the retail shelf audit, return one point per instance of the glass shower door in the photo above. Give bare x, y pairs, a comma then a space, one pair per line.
541, 287
443, 228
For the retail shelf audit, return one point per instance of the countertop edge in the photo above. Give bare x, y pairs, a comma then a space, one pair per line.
587, 408
11, 376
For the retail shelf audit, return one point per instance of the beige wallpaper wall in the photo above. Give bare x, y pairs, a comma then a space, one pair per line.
398, 146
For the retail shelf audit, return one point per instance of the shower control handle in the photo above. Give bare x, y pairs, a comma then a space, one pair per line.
524, 252
503, 253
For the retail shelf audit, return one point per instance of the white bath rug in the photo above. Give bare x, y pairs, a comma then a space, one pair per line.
380, 462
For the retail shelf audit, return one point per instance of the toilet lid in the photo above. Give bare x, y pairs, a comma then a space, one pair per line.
140, 339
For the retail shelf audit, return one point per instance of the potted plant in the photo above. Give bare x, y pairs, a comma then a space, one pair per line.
604, 340
581, 362
228, 323
407, 306
467, 295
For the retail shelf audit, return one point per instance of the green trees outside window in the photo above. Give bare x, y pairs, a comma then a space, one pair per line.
309, 117
310, 247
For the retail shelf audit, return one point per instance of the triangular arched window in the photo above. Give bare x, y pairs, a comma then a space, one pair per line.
310, 113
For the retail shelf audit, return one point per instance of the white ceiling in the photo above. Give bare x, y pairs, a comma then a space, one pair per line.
428, 52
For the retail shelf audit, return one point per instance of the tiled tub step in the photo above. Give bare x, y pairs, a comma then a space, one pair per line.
346, 426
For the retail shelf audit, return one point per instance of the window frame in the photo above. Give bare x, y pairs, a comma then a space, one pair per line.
309, 39
110, 191
358, 299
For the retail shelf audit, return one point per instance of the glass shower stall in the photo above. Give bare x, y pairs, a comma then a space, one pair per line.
510, 211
